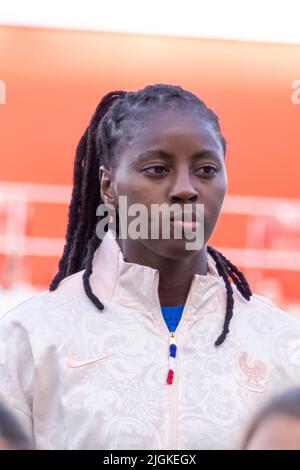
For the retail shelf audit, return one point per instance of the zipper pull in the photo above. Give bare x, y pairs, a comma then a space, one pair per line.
172, 355
172, 339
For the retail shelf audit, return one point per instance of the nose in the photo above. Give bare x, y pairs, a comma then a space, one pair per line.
182, 189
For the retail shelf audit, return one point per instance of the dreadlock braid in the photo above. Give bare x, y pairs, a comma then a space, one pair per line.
84, 194
92, 246
226, 268
238, 278
90, 194
73, 212
111, 126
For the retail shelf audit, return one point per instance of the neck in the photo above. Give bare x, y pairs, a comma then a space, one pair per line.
175, 275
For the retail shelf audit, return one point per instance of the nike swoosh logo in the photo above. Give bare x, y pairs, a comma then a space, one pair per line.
75, 363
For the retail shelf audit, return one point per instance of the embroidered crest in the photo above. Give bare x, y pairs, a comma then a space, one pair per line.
253, 373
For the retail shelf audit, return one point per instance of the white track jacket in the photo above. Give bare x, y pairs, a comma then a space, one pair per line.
80, 378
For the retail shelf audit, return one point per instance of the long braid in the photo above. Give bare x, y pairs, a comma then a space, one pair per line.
92, 246
85, 194
238, 278
111, 126
226, 268
73, 212
90, 194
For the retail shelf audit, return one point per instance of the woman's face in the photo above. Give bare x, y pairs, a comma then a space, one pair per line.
174, 157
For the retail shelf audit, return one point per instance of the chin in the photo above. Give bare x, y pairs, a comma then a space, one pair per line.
172, 249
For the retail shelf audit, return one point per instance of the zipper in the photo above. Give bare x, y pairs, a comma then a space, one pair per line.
171, 335
173, 386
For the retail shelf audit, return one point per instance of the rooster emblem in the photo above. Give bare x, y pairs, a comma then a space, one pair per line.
253, 373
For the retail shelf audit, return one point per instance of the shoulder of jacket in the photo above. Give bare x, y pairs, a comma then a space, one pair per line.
67, 295
263, 307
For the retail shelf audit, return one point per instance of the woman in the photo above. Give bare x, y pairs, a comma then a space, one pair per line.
93, 363
277, 425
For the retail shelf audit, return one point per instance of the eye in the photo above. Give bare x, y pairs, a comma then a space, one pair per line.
159, 169
208, 170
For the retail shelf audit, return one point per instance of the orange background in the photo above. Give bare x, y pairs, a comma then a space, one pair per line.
55, 79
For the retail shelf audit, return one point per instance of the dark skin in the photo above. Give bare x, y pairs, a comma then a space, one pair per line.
192, 173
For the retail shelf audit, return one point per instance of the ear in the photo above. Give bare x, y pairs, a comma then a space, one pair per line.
106, 187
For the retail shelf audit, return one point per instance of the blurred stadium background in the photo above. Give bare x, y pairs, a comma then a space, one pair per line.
56, 64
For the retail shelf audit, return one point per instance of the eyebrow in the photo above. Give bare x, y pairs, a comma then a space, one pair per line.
170, 157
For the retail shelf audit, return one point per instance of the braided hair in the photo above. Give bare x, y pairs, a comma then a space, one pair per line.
110, 127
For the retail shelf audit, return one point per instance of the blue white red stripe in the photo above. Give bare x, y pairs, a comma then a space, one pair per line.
172, 356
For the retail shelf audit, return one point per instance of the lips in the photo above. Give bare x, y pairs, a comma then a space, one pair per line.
188, 225
181, 217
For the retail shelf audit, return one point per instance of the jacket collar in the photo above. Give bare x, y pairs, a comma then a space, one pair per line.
136, 286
